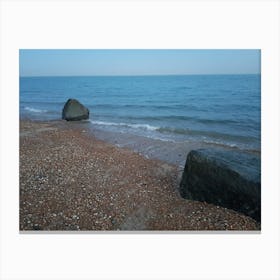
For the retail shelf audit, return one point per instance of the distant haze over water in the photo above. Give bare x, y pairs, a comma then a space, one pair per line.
220, 109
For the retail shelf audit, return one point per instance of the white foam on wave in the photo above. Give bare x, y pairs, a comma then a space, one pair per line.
34, 110
145, 126
141, 126
220, 143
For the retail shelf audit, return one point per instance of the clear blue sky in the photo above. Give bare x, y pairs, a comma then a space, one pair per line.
137, 62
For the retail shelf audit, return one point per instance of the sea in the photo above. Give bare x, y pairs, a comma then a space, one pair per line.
158, 116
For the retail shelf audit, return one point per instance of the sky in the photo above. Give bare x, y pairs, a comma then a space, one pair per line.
53, 62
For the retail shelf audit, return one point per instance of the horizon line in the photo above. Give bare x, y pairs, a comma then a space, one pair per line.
138, 75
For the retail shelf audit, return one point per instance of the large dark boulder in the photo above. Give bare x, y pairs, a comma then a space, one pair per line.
73, 110
230, 179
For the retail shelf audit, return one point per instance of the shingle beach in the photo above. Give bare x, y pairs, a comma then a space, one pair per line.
70, 180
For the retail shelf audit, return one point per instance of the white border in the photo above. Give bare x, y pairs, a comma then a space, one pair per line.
135, 24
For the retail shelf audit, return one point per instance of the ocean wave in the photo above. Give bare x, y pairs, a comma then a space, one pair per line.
148, 106
174, 130
141, 126
206, 134
177, 117
240, 146
180, 131
40, 102
220, 143
182, 88
34, 110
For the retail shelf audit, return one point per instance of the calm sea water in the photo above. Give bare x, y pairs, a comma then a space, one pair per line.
219, 109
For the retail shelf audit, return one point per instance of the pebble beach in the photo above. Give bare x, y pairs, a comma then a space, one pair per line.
72, 181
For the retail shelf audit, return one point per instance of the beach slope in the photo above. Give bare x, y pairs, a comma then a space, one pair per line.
69, 180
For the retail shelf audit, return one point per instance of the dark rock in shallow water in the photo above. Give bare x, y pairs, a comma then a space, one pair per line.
73, 110
230, 179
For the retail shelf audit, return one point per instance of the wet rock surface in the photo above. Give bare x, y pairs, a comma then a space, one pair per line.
229, 179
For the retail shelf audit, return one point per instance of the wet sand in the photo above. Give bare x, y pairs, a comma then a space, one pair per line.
70, 180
